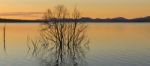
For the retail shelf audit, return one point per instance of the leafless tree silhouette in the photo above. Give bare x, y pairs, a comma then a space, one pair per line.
61, 43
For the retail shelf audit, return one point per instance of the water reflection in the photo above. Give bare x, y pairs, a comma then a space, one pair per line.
4, 38
61, 44
109, 45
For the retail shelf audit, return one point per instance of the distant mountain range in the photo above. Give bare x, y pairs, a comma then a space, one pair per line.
83, 19
118, 19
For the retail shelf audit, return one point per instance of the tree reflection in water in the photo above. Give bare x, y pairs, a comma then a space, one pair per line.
61, 43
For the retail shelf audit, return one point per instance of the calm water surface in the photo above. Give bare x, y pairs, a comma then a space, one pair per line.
111, 44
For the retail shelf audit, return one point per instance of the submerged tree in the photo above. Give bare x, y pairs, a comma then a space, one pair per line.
4, 37
62, 43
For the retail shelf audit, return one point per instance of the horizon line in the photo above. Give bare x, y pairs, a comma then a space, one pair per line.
80, 18
38, 15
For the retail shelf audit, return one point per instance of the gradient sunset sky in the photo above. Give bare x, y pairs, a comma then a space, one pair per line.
33, 9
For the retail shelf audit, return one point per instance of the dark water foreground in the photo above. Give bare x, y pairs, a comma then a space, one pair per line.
110, 44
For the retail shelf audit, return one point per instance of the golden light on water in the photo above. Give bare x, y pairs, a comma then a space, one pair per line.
94, 31
17, 33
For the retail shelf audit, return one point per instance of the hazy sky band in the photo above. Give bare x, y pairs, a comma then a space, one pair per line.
91, 8
21, 13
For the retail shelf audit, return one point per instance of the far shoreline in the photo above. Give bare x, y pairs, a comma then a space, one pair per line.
68, 22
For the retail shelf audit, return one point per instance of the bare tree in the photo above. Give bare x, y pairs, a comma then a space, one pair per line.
61, 43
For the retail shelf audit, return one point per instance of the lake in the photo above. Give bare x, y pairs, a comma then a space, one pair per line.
110, 44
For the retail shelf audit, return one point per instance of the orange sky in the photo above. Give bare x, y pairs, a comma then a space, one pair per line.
90, 8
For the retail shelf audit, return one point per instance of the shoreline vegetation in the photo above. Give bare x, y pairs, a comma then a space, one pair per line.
83, 19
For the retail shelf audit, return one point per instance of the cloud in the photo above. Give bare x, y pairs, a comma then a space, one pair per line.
21, 13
